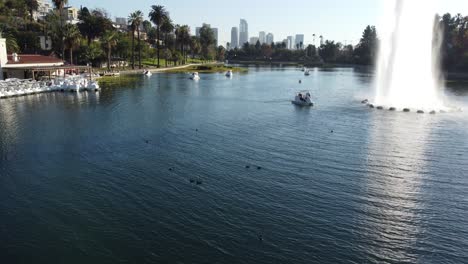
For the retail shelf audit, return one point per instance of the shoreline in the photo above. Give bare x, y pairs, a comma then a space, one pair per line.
154, 70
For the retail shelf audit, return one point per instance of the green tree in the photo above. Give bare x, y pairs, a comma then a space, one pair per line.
109, 40
158, 15
135, 20
183, 40
147, 26
207, 40
59, 5
71, 37
92, 52
167, 28
195, 46
11, 44
220, 53
366, 50
329, 51
32, 6
93, 24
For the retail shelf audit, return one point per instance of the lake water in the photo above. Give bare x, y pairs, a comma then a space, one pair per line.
106, 178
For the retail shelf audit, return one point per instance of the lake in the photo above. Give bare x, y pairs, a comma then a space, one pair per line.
167, 170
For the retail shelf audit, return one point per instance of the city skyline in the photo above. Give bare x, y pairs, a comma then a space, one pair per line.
309, 17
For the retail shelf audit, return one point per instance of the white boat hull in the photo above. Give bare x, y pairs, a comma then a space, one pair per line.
302, 103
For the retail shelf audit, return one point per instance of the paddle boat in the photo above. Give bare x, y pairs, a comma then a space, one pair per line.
229, 74
147, 73
303, 98
194, 76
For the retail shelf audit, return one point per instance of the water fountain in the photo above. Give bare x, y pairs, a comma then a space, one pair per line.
408, 75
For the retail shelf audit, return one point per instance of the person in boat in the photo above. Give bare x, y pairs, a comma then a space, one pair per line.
300, 97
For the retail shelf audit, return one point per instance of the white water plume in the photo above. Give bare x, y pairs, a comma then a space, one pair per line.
408, 73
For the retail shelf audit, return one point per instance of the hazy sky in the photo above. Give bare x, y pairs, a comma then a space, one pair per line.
340, 20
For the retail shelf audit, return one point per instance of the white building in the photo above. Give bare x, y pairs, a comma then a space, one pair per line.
243, 32
44, 7
270, 39
299, 41
262, 37
45, 42
234, 38
70, 15
290, 43
18, 65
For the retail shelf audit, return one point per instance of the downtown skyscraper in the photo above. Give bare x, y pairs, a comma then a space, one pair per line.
243, 32
234, 38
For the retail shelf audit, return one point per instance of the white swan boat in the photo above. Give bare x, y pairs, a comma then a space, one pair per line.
307, 73
303, 98
304, 69
147, 73
194, 76
229, 74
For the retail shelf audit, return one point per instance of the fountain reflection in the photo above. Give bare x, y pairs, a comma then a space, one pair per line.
396, 170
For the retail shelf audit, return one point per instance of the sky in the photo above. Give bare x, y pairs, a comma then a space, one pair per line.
339, 20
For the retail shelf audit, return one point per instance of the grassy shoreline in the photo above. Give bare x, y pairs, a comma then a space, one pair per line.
208, 68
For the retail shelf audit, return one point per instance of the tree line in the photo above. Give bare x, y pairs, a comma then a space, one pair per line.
153, 40
454, 48
94, 40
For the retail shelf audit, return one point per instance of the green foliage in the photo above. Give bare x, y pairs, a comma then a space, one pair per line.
366, 51
207, 41
12, 45
93, 24
454, 48
329, 51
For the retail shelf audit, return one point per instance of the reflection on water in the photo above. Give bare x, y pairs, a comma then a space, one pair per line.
396, 161
338, 182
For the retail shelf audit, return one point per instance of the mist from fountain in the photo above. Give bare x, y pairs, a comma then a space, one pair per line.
408, 70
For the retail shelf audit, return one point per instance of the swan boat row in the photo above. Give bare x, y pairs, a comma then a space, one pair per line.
19, 87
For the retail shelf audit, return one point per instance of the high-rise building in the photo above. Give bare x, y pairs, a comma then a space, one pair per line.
234, 38
299, 41
243, 32
253, 40
290, 44
270, 38
215, 32
121, 21
262, 37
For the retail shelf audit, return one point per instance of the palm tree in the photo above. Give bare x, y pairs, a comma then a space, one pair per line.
109, 39
135, 20
71, 37
132, 26
32, 6
158, 15
60, 4
11, 44
183, 39
166, 28
195, 46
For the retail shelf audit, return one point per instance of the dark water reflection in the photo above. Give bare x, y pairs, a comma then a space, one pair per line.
85, 178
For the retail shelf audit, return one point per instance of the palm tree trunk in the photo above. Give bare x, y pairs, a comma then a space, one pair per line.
157, 41
71, 56
61, 29
133, 49
139, 48
108, 56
